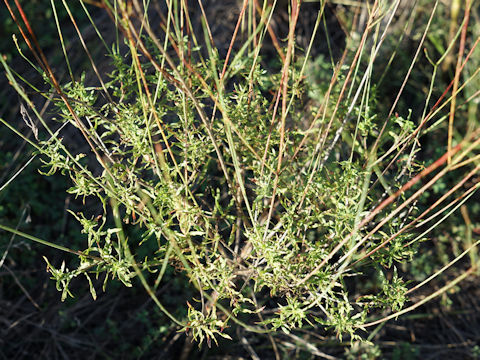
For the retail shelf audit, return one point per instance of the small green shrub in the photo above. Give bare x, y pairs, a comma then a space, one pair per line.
275, 193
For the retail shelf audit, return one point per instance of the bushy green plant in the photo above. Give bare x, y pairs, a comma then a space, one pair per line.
276, 196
